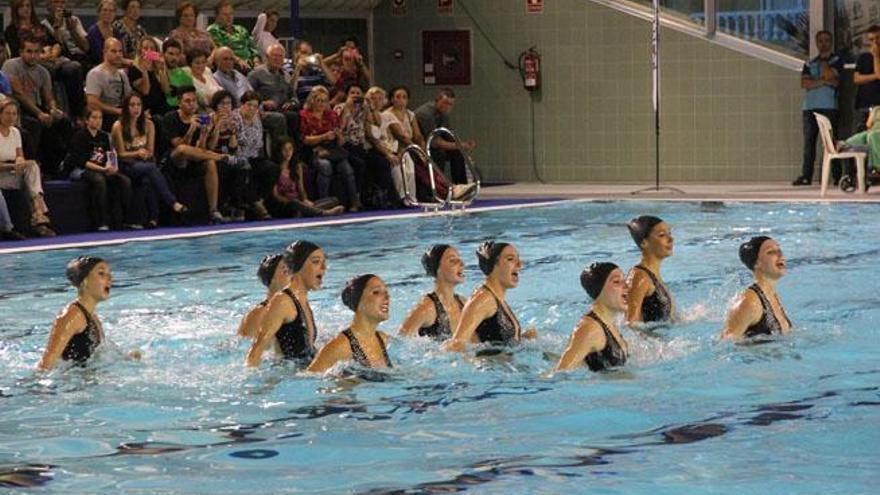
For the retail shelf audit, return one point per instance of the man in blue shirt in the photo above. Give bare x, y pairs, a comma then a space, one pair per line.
820, 77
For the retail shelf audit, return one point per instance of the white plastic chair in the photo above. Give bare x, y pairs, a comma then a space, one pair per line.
832, 154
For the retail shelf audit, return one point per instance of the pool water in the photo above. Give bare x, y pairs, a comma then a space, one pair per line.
688, 414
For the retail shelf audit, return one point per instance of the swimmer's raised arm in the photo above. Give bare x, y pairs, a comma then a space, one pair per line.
746, 311
422, 315
586, 338
69, 323
477, 309
335, 351
280, 309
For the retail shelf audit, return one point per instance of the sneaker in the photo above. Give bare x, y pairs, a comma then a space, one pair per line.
11, 235
461, 191
133, 226
802, 181
258, 211
216, 218
43, 230
336, 210
847, 184
103, 228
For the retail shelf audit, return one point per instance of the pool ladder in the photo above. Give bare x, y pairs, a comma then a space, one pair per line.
414, 153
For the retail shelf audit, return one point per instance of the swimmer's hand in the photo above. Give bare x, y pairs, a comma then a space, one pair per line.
530, 334
453, 345
135, 355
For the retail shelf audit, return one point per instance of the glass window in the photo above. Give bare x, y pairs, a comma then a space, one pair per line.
692, 9
852, 18
781, 23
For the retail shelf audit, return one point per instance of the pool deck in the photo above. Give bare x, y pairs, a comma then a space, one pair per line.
491, 198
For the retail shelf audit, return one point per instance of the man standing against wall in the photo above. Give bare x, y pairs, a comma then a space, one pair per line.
434, 114
867, 78
820, 78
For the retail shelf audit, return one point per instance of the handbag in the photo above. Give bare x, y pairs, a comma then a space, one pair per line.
332, 152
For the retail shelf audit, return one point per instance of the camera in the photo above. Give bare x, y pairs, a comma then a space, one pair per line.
358, 100
312, 59
204, 119
152, 56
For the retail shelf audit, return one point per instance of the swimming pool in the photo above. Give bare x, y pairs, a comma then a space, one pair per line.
689, 414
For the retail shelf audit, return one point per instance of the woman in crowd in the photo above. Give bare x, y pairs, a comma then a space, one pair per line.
25, 22
362, 341
149, 77
186, 32
596, 342
289, 196
127, 30
320, 128
383, 167
353, 120
134, 138
486, 317
18, 173
758, 310
101, 30
251, 143
273, 274
288, 324
90, 157
868, 139
649, 298
439, 311
203, 80
244, 124
352, 70
77, 331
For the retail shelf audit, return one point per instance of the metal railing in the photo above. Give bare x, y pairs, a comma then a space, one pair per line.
413, 155
473, 176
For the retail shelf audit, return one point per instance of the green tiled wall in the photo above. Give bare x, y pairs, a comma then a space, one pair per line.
726, 116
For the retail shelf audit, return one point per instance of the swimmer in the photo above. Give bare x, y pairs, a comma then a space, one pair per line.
438, 312
649, 298
288, 323
486, 317
273, 274
757, 310
596, 341
77, 331
362, 342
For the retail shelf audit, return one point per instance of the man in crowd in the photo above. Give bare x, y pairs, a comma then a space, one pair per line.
225, 33
820, 78
230, 79
867, 78
310, 70
107, 84
278, 98
178, 76
434, 114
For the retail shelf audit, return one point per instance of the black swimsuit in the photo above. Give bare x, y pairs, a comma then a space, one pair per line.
358, 354
440, 329
293, 338
611, 355
768, 324
81, 346
498, 328
657, 306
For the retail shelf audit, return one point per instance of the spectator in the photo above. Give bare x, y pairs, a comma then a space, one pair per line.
18, 173
820, 78
68, 30
7, 230
383, 169
290, 199
189, 155
353, 116
278, 96
867, 78
264, 31
236, 37
32, 87
127, 30
178, 76
435, 114
251, 145
25, 25
186, 33
309, 71
134, 138
203, 80
230, 79
149, 77
90, 156
868, 140
321, 132
107, 84
234, 175
223, 138
352, 70
100, 31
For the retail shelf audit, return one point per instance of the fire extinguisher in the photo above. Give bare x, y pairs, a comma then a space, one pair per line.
530, 69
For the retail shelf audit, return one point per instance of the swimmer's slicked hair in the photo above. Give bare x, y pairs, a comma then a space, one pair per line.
431, 258
79, 268
296, 254
267, 268
354, 289
488, 254
749, 251
640, 227
593, 277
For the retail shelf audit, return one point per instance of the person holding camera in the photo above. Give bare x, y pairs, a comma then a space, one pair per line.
310, 70
149, 77
353, 116
67, 30
352, 70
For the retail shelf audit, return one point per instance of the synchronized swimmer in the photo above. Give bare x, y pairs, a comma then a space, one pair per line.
285, 322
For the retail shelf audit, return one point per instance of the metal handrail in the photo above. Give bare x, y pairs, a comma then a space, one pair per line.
470, 169
411, 196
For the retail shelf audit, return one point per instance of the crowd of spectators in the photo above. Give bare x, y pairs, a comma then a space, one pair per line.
264, 133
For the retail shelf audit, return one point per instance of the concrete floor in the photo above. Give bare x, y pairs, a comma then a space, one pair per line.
778, 191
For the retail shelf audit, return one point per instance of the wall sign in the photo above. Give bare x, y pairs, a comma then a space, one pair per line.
535, 6
446, 57
444, 6
398, 8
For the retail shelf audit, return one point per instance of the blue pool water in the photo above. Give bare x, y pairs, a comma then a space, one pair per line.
689, 414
